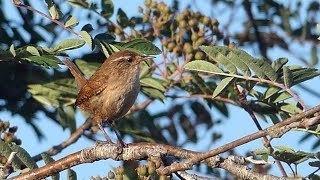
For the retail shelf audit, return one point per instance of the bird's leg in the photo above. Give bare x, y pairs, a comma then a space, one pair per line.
97, 119
108, 140
120, 141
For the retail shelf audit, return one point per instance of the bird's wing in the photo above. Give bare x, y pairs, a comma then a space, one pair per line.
95, 85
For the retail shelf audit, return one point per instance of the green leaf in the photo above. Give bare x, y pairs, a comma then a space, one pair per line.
224, 84
88, 68
33, 51
87, 37
105, 47
71, 174
315, 164
24, 156
80, 3
46, 61
280, 97
122, 18
69, 44
290, 108
217, 54
6, 151
203, 66
57, 93
67, 117
154, 93
271, 91
55, 13
107, 8
279, 63
47, 159
287, 77
314, 56
71, 22
303, 74
152, 82
13, 52
234, 59
88, 28
141, 46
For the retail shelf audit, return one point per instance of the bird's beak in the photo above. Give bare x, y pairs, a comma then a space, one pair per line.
144, 58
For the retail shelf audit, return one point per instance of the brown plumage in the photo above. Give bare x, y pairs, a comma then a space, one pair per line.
112, 89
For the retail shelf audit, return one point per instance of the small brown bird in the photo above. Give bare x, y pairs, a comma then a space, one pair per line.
111, 90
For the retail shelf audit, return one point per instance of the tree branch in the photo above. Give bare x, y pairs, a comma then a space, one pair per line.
274, 131
139, 151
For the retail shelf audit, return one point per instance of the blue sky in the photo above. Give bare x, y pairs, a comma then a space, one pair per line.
238, 125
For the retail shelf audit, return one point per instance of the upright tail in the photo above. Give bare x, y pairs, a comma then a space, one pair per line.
79, 77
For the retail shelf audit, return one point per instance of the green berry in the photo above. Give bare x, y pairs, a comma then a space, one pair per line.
199, 55
183, 24
206, 20
142, 170
119, 170
187, 48
171, 45
193, 22
147, 2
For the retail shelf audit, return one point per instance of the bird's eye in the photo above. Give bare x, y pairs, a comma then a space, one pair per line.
130, 59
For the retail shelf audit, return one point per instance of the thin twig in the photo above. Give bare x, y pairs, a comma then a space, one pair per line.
246, 106
19, 4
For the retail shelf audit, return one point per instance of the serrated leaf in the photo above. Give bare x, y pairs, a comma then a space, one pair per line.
87, 37
47, 159
154, 93
69, 44
24, 156
6, 150
141, 46
33, 51
57, 93
71, 22
303, 74
71, 174
290, 108
203, 66
88, 68
280, 97
279, 63
287, 77
46, 61
218, 55
234, 59
12, 50
107, 8
224, 84
271, 91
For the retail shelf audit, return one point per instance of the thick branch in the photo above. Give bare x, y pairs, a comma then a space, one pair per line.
274, 131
